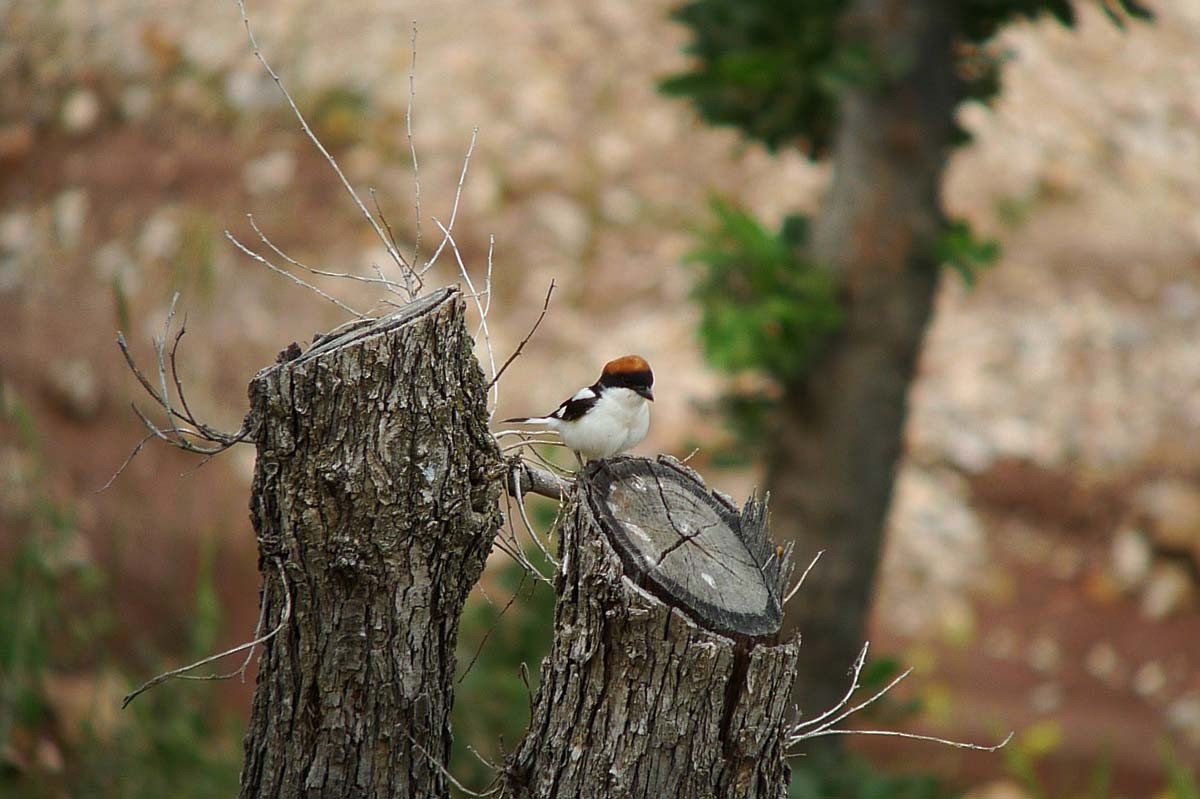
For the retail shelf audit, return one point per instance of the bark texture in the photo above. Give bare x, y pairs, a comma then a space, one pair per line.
833, 465
637, 697
375, 492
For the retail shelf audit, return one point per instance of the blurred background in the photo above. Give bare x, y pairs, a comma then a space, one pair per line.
1042, 552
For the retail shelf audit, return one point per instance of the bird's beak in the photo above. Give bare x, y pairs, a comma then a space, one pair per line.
647, 393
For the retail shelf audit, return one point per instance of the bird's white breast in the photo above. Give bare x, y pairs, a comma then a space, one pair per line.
618, 421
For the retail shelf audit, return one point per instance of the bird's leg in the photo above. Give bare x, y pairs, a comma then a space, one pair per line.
579, 459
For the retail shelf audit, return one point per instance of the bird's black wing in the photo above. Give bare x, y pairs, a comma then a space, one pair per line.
578, 405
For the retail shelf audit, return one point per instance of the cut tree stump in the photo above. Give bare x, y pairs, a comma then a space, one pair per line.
375, 495
665, 677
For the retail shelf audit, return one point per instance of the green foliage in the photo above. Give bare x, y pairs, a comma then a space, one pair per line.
770, 69
764, 308
1181, 780
774, 69
55, 617
491, 705
960, 249
823, 775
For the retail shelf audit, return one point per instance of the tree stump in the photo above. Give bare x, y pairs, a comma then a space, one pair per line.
665, 677
375, 495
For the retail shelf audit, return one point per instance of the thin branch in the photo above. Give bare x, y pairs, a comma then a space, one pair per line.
412, 149
823, 727
409, 274
392, 251
285, 616
293, 278
531, 442
128, 461
240, 671
390, 285
856, 670
462, 177
537, 481
915, 737
523, 670
172, 433
508, 543
492, 629
845, 714
487, 284
210, 433
487, 338
800, 582
528, 336
454, 780
528, 526
160, 346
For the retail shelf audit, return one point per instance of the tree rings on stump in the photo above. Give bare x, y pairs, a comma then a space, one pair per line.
689, 547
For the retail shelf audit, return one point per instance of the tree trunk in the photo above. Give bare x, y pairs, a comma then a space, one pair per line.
375, 495
832, 468
664, 678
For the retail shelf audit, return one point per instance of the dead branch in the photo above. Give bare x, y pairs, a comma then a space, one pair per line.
524, 478
412, 148
462, 177
824, 725
298, 281
529, 335
182, 430
390, 285
249, 645
406, 270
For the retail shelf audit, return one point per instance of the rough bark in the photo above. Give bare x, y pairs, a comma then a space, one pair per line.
640, 696
376, 491
833, 464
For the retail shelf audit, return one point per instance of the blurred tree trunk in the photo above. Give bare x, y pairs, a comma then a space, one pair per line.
832, 468
375, 493
664, 679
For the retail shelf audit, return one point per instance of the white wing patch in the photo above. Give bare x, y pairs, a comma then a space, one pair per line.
579, 402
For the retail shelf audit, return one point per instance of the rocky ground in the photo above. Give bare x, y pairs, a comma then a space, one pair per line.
1045, 543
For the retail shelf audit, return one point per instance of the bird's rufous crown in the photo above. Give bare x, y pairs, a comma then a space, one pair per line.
628, 364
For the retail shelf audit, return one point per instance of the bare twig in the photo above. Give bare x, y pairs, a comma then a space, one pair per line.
536, 481
487, 338
380, 280
454, 780
181, 436
508, 542
492, 629
855, 670
409, 274
523, 670
800, 582
915, 737
176, 673
462, 177
528, 336
298, 281
128, 460
824, 725
401, 263
528, 526
412, 149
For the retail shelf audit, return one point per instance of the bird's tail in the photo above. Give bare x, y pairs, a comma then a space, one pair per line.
526, 420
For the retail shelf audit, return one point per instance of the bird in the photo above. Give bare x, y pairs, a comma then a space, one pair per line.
607, 417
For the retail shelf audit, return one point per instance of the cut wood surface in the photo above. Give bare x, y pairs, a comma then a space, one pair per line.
689, 547
643, 694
